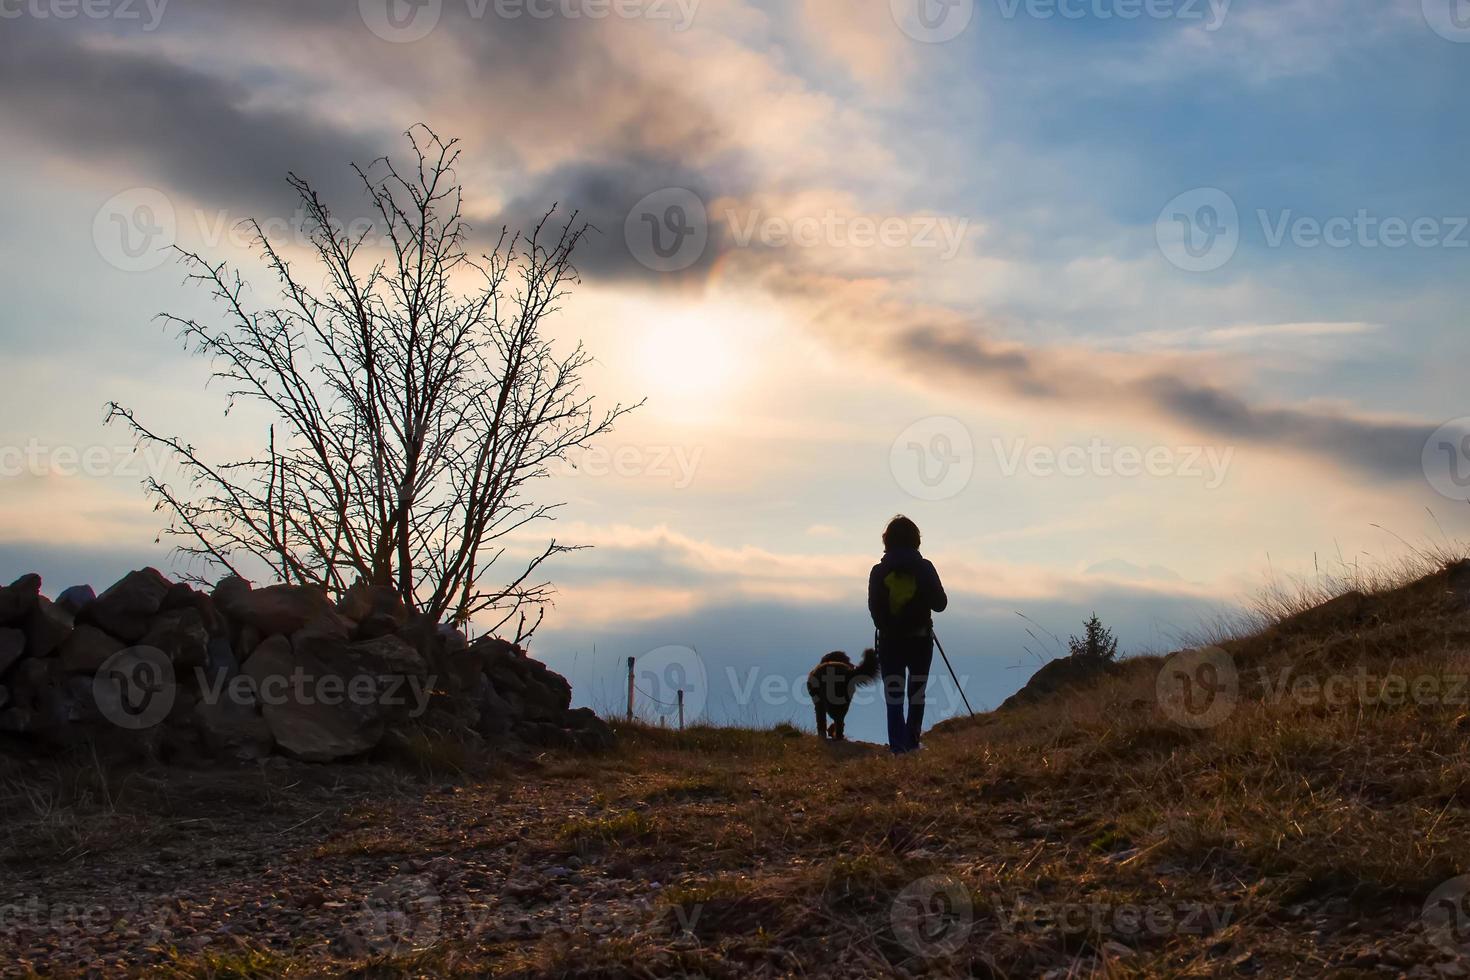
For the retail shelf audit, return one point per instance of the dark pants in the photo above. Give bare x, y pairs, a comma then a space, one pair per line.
899, 656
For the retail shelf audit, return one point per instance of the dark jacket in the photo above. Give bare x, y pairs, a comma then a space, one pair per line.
903, 591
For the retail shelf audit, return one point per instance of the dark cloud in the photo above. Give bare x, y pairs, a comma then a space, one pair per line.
1379, 448
554, 83
969, 354
1388, 449
171, 126
605, 195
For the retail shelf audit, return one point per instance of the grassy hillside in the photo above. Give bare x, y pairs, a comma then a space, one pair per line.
1250, 825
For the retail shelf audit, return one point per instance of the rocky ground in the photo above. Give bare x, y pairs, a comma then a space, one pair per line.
1099, 832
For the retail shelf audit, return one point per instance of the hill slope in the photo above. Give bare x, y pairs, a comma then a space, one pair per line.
1267, 807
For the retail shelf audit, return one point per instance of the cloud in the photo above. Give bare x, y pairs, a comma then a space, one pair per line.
1380, 447
169, 124
648, 573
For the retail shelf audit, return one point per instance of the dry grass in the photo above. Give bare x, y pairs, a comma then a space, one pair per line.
1092, 834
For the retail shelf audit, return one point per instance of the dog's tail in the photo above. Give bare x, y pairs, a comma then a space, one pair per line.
867, 668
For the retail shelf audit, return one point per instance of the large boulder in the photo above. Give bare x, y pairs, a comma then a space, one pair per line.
496, 716
377, 609
18, 599
231, 729
47, 702
590, 732
229, 591
276, 609
126, 608
325, 698
48, 625
272, 657
87, 649
76, 598
180, 633
181, 596
12, 647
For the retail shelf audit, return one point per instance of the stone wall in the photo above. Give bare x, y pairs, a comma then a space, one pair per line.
240, 672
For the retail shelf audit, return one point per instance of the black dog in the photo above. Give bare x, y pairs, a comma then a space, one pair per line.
831, 684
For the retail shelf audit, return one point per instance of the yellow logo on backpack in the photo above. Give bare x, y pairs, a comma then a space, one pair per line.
901, 589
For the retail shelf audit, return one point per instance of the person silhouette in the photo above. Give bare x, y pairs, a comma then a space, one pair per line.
904, 592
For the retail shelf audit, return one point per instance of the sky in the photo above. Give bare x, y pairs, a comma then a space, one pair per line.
1135, 306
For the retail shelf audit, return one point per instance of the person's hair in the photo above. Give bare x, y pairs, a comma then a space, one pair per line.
900, 533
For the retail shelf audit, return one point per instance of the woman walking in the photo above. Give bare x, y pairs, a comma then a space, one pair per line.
904, 592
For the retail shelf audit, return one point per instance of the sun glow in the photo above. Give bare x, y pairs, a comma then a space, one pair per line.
689, 363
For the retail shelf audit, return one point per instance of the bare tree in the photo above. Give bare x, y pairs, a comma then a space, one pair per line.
409, 417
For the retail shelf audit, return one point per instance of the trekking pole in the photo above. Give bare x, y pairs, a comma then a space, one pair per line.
940, 647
